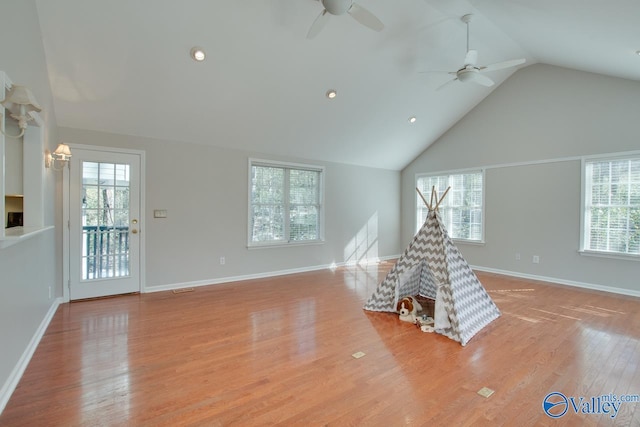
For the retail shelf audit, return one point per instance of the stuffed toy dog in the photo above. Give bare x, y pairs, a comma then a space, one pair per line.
408, 308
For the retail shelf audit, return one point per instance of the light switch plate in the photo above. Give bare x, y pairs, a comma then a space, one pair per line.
160, 213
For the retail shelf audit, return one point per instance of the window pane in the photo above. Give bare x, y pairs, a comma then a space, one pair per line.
303, 187
267, 185
285, 204
268, 223
105, 219
634, 194
600, 194
122, 198
461, 209
598, 239
613, 219
304, 223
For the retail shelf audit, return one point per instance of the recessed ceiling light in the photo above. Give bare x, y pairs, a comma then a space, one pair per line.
637, 52
412, 119
331, 93
197, 53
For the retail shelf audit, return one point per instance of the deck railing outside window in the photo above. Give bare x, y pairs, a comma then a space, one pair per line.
105, 252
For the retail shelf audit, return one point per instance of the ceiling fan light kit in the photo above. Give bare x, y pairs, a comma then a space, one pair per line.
465, 75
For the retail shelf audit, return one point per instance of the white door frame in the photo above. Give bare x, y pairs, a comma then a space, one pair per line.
66, 247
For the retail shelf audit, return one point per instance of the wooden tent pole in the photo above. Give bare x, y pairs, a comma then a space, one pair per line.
422, 197
433, 194
442, 198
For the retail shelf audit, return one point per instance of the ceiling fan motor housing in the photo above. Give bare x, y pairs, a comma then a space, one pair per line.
467, 74
337, 7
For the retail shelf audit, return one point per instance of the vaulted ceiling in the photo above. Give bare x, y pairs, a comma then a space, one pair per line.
123, 66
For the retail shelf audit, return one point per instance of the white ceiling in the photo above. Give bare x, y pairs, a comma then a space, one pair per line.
123, 66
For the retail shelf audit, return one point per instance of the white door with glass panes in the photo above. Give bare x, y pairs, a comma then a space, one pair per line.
104, 223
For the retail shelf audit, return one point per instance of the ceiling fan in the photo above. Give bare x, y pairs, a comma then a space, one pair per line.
340, 7
470, 71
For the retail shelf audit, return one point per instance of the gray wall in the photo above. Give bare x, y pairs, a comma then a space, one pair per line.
29, 268
529, 134
204, 189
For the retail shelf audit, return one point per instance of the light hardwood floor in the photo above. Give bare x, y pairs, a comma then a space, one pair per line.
278, 351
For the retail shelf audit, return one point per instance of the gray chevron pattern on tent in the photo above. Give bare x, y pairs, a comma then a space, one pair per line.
433, 267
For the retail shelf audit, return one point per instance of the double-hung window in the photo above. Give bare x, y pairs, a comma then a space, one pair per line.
461, 210
611, 205
285, 203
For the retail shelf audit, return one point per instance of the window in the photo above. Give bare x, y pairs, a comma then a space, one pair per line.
611, 221
285, 203
462, 208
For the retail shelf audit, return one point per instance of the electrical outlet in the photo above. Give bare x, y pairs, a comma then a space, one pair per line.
222, 260
536, 259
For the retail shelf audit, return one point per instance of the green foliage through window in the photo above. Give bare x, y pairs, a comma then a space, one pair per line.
285, 203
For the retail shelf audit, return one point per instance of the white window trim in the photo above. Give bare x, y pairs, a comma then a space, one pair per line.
583, 199
288, 165
417, 176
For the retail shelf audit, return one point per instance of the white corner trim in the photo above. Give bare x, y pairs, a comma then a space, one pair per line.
14, 378
229, 279
592, 286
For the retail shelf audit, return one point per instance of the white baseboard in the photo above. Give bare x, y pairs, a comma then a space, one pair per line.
592, 286
14, 378
172, 286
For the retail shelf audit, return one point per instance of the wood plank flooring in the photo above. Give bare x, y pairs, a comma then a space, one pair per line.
278, 351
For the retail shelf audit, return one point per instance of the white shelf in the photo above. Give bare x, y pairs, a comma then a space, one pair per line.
20, 234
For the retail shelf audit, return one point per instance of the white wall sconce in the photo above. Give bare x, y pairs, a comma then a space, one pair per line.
61, 155
19, 102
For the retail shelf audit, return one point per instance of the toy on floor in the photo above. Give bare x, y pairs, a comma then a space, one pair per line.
425, 323
408, 308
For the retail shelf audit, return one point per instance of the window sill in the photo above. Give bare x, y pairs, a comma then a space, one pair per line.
469, 242
612, 255
16, 235
283, 245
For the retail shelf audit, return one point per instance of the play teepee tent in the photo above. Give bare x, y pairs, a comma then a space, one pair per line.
432, 267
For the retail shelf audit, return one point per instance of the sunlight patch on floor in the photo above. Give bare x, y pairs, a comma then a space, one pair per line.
556, 314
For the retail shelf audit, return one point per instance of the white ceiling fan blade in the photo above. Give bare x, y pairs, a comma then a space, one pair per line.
365, 17
471, 58
446, 83
501, 65
318, 24
453, 73
483, 80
